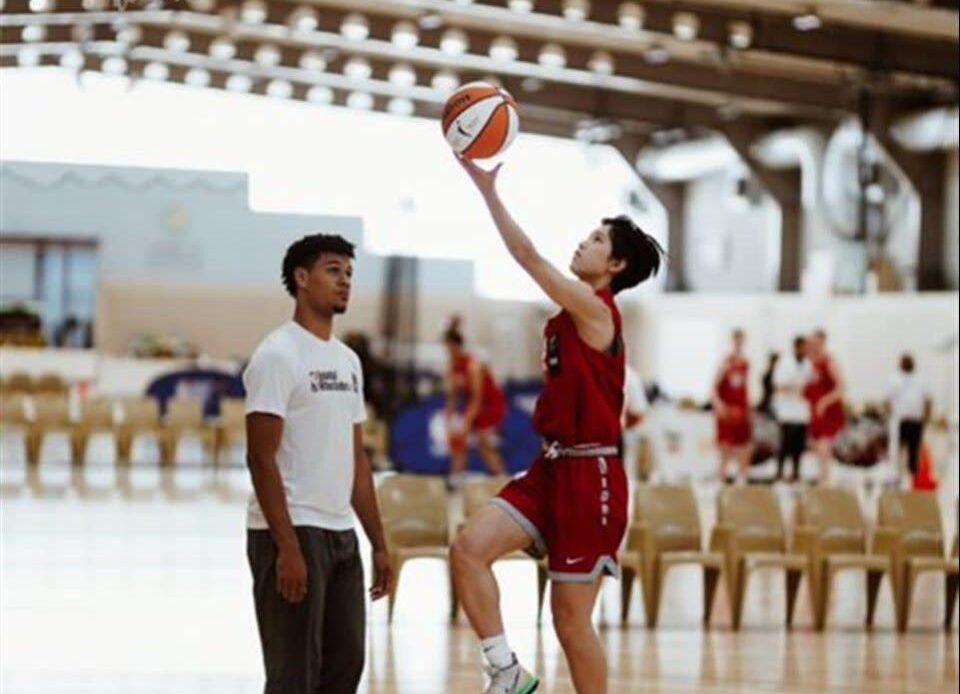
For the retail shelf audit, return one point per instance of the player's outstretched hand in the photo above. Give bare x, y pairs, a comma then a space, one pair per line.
484, 179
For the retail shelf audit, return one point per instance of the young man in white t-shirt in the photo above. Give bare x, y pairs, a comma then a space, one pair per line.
908, 403
792, 409
310, 473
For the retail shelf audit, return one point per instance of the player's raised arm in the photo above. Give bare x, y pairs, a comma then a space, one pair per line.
575, 296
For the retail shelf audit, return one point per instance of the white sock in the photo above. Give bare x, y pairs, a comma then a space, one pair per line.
497, 652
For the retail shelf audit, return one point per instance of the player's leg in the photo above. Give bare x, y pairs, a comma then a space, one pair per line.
489, 534
487, 445
572, 605
823, 449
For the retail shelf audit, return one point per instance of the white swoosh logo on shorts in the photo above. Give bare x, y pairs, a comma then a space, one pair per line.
574, 561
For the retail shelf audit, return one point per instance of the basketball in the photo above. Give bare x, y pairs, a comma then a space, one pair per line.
480, 120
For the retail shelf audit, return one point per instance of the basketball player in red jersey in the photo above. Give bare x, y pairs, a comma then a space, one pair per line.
571, 505
824, 392
731, 406
474, 403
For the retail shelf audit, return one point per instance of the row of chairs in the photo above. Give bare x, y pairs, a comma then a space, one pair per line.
24, 383
830, 534
125, 420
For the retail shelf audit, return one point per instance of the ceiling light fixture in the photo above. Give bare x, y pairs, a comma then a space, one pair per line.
454, 42
630, 16
404, 35
313, 61
222, 49
576, 10
355, 27
552, 55
686, 26
740, 34
503, 48
808, 21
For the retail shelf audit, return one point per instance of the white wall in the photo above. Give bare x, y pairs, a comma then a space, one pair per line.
731, 245
181, 226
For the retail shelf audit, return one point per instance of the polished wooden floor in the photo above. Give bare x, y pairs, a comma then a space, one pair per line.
106, 591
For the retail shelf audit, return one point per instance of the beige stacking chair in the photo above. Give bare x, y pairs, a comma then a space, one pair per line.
19, 382
140, 416
184, 418
751, 535
51, 413
13, 414
416, 525
910, 532
50, 384
665, 533
230, 428
832, 532
96, 417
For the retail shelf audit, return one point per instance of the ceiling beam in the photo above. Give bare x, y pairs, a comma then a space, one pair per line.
679, 83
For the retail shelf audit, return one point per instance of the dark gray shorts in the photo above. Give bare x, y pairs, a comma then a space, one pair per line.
315, 646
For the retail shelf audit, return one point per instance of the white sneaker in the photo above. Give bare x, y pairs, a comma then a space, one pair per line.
512, 679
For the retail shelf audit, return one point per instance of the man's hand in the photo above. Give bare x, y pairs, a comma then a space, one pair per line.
382, 575
486, 181
291, 574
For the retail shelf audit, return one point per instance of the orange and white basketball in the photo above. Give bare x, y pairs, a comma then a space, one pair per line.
480, 120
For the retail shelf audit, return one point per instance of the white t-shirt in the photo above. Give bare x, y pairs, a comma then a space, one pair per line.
907, 396
316, 386
635, 399
791, 408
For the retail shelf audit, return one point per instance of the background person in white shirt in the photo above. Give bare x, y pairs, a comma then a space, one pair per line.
310, 473
908, 403
791, 408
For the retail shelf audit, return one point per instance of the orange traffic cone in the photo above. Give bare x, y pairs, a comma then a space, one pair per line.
924, 479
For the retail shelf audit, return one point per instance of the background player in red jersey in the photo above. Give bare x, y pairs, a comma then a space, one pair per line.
824, 392
731, 407
572, 503
475, 403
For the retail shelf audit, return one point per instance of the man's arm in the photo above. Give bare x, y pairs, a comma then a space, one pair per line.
591, 316
364, 502
263, 440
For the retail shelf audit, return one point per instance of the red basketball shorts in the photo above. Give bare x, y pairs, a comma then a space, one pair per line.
575, 511
734, 431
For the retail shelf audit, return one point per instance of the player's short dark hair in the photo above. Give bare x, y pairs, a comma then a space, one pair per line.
906, 362
453, 335
643, 253
799, 341
304, 253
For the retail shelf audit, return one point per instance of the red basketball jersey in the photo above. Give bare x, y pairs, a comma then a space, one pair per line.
491, 396
821, 380
582, 395
733, 384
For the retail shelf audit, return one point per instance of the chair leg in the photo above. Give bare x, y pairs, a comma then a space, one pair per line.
793, 585
392, 597
711, 577
873, 590
951, 586
906, 597
124, 446
542, 577
454, 600
33, 442
822, 606
657, 573
627, 578
739, 594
